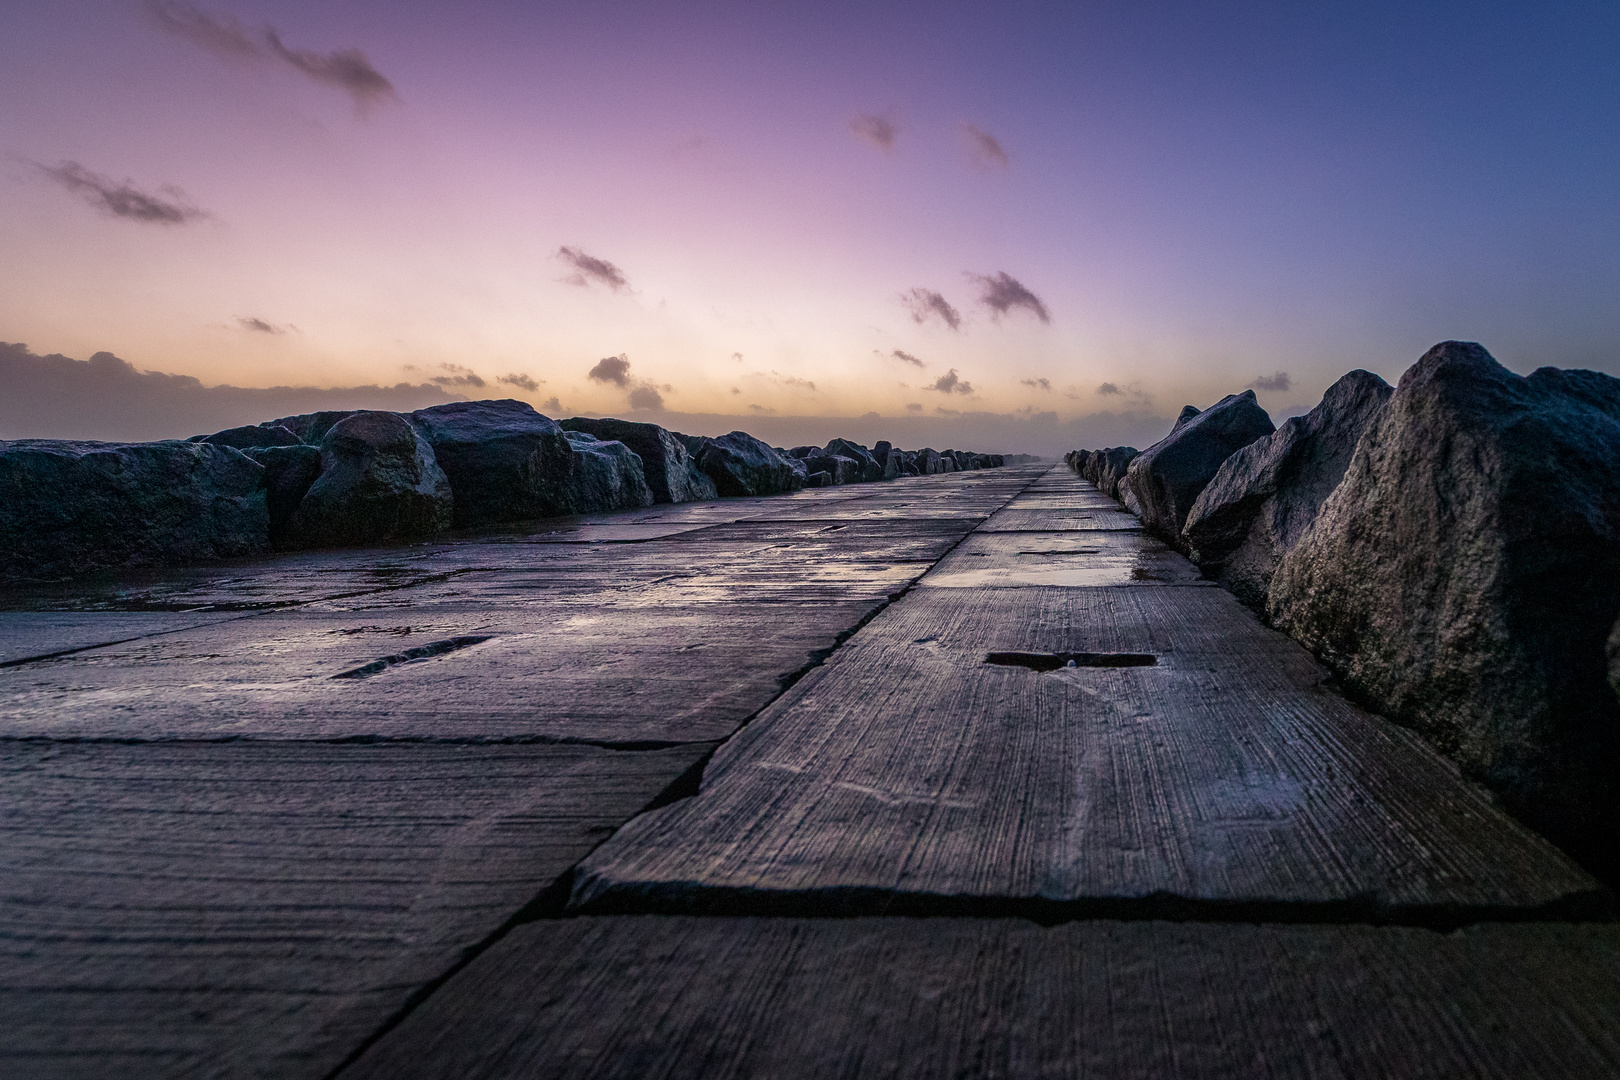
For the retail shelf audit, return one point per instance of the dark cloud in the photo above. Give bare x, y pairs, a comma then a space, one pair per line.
347, 69
552, 405
458, 376
926, 303
1107, 389
612, 369
950, 383
646, 397
589, 268
259, 326
54, 397
984, 148
761, 409
736, 389
914, 406
1277, 382
522, 382
877, 130
1002, 293
123, 200
901, 354
1037, 384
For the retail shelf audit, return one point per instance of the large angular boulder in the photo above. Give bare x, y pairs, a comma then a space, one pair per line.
1168, 476
505, 462
929, 462
1266, 495
310, 428
889, 458
1465, 574
251, 436
740, 464
1106, 468
672, 475
289, 473
1187, 413
839, 469
379, 483
72, 507
607, 475
868, 468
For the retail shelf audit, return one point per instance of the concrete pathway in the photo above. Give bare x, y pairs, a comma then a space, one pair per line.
976, 740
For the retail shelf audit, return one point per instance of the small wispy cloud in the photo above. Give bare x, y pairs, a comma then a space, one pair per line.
123, 199
458, 376
794, 381
925, 304
1277, 382
612, 369
522, 382
902, 355
984, 148
588, 268
1003, 293
951, 383
259, 326
760, 409
1036, 384
346, 69
880, 131
943, 411
1108, 389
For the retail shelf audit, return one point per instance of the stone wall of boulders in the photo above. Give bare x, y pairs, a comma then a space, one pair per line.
342, 478
1449, 547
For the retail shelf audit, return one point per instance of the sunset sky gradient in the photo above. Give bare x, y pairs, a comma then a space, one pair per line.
753, 205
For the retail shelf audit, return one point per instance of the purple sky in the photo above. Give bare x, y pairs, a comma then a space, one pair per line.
771, 213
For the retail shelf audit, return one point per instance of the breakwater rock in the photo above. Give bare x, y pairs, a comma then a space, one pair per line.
1450, 549
359, 477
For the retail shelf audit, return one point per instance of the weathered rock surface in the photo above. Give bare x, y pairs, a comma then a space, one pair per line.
607, 475
1614, 659
250, 436
672, 475
868, 467
1187, 413
289, 472
1266, 495
1106, 468
1464, 576
840, 469
889, 458
311, 428
1168, 476
740, 464
505, 462
379, 483
72, 507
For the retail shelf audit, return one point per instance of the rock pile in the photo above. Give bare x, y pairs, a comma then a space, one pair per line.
1449, 548
334, 478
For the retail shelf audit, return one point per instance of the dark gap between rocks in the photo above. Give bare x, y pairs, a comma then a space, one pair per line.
409, 656
1053, 661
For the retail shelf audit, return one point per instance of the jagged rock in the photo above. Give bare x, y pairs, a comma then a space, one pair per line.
1187, 413
1266, 495
379, 483
740, 464
289, 472
928, 461
250, 436
1127, 496
672, 475
1465, 574
607, 475
804, 451
505, 462
868, 468
310, 428
889, 458
818, 480
73, 507
843, 470
1107, 468
800, 469
908, 463
1168, 476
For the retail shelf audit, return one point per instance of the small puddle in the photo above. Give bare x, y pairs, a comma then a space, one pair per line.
1036, 661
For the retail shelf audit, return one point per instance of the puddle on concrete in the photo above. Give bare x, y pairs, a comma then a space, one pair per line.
1054, 661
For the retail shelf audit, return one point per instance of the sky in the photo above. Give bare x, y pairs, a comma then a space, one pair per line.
1033, 225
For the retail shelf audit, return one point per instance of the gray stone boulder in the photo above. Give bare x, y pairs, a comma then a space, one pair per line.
929, 462
251, 436
672, 476
505, 462
1266, 495
69, 508
1106, 468
1187, 413
1614, 659
1168, 476
890, 458
740, 464
908, 463
841, 469
379, 483
868, 468
818, 480
800, 469
607, 475
289, 473
1464, 577
310, 428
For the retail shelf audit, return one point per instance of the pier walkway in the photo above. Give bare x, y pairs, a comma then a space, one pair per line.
952, 776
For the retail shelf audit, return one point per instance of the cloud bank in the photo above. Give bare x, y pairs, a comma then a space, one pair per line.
55, 397
123, 200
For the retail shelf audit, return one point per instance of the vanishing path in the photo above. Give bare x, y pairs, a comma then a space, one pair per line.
222, 860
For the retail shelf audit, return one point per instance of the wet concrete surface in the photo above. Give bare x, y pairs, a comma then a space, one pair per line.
514, 804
